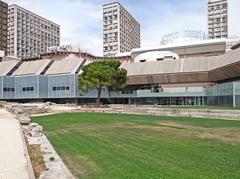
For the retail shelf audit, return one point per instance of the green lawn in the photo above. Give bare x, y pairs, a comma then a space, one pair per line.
99, 145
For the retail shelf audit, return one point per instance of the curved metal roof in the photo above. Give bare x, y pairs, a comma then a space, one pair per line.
7, 66
202, 69
68, 65
31, 67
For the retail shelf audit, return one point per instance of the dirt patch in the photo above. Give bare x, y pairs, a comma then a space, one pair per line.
226, 135
231, 136
36, 157
170, 128
80, 169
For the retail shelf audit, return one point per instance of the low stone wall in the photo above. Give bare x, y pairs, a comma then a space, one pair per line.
201, 113
156, 110
29, 109
46, 108
26, 109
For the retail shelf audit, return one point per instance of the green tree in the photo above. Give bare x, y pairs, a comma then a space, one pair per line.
99, 74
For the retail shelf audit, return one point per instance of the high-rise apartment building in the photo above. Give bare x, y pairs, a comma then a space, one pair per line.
29, 34
121, 32
3, 26
217, 19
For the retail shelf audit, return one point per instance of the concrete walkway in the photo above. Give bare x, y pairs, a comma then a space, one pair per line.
13, 159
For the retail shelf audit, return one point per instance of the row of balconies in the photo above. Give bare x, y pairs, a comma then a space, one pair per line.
217, 25
40, 41
218, 35
112, 34
129, 34
110, 28
28, 16
33, 44
3, 12
28, 27
2, 19
218, 29
109, 22
3, 27
214, 16
218, 12
217, 20
110, 46
222, 16
110, 41
218, 32
111, 17
217, 9
112, 31
27, 36
37, 43
115, 50
109, 11
41, 24
110, 37
129, 37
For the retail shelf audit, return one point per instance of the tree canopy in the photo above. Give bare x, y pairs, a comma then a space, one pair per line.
99, 74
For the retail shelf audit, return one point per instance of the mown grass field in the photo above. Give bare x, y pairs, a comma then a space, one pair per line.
99, 145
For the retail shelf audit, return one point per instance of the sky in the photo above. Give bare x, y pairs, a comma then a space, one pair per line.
81, 20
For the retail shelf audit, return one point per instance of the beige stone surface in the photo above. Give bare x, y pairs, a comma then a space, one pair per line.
13, 156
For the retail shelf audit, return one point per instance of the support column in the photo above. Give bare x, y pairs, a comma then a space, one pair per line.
234, 95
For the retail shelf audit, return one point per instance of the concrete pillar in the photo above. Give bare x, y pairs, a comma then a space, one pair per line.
234, 95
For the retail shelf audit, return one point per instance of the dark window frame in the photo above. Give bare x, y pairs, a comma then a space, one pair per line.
61, 88
31, 88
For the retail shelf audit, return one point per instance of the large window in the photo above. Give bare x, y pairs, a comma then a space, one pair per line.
28, 88
6, 89
61, 88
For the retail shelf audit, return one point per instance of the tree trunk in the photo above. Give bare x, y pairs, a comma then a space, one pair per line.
99, 91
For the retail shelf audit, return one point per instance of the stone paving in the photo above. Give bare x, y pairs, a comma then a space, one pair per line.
13, 155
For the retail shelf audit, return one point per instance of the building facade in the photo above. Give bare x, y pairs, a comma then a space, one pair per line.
217, 19
3, 26
29, 34
121, 32
203, 81
191, 49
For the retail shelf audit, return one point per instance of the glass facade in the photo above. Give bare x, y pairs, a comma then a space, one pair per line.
7, 83
65, 87
226, 94
62, 86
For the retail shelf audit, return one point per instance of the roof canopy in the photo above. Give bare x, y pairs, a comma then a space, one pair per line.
68, 65
202, 69
7, 66
31, 68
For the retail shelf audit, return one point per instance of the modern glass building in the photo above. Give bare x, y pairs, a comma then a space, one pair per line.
196, 81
